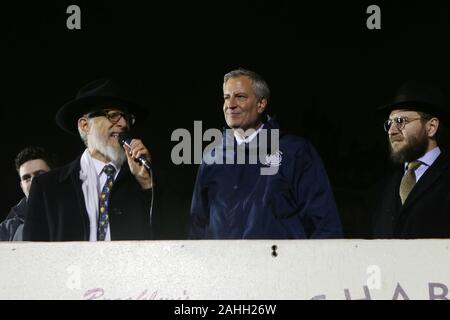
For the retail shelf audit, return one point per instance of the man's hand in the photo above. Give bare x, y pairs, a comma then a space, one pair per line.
137, 169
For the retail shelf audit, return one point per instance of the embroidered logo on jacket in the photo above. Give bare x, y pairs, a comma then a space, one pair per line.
274, 160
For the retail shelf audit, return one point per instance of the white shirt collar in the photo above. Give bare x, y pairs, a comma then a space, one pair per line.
240, 139
429, 157
99, 165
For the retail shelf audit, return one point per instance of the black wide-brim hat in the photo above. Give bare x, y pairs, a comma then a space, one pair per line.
96, 95
423, 96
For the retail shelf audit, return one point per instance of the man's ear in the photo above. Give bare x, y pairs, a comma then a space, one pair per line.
432, 127
262, 105
83, 124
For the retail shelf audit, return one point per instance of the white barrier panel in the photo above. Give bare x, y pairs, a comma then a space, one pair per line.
294, 269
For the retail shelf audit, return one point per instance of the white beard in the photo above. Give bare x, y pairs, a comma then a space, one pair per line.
98, 142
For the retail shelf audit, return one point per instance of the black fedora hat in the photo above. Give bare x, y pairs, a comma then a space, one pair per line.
423, 96
94, 96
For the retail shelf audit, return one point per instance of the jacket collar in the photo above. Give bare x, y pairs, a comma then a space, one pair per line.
67, 170
433, 173
74, 168
270, 124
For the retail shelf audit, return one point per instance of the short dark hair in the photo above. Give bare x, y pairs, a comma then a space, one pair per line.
34, 153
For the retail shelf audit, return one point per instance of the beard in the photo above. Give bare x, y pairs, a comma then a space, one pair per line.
414, 148
100, 142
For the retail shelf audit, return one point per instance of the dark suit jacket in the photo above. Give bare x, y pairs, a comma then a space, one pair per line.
426, 211
57, 212
15, 218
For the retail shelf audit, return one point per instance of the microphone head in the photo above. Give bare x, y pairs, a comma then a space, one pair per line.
125, 138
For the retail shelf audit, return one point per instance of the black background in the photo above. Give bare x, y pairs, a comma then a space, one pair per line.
326, 70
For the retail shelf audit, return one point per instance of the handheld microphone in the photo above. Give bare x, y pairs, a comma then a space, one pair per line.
125, 139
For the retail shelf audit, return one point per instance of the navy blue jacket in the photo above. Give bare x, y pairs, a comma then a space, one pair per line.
234, 201
13, 221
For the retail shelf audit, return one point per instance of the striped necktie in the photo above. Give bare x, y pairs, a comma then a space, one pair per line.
408, 180
103, 220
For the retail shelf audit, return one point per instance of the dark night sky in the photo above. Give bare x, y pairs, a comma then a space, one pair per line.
326, 70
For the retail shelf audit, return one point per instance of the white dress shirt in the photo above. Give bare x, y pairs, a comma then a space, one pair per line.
101, 179
240, 139
426, 162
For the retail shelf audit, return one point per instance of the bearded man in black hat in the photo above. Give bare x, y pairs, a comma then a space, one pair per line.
105, 194
415, 202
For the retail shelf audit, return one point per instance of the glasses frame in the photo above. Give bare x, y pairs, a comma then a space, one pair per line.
129, 117
399, 125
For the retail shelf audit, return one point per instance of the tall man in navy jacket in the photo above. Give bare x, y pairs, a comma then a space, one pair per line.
238, 201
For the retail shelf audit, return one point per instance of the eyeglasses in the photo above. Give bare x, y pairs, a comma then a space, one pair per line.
400, 122
113, 116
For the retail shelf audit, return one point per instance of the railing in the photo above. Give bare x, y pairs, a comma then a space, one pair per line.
244, 269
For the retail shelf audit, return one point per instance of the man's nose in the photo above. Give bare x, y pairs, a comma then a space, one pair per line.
231, 103
393, 130
31, 179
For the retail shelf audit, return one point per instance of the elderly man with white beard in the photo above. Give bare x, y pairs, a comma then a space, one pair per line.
105, 194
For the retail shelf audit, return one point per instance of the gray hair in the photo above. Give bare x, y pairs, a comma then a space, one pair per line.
260, 86
83, 134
